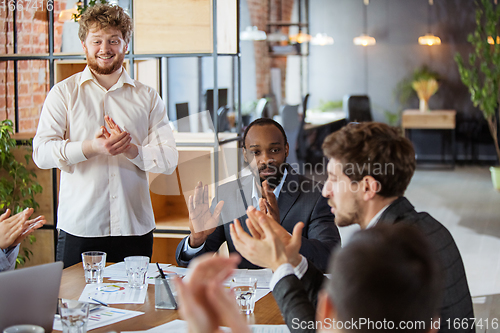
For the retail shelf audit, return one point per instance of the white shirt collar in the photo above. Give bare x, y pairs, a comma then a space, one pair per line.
256, 192
376, 218
124, 78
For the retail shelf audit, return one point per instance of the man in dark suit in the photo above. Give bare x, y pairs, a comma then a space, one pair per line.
275, 189
370, 166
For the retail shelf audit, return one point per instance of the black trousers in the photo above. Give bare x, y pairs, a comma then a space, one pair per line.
70, 247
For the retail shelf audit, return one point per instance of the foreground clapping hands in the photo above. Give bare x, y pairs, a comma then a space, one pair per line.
203, 301
270, 244
201, 221
15, 228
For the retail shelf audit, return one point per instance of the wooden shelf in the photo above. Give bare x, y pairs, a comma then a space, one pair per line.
287, 24
164, 26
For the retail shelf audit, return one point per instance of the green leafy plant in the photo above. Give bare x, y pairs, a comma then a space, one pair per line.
329, 105
82, 7
18, 185
482, 73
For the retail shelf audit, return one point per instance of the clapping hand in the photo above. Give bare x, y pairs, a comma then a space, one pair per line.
270, 244
130, 151
203, 301
15, 228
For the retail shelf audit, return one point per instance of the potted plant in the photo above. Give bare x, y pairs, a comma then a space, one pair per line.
17, 184
425, 84
482, 73
423, 81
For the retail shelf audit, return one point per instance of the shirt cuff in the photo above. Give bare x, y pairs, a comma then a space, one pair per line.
301, 268
138, 159
281, 272
189, 251
74, 152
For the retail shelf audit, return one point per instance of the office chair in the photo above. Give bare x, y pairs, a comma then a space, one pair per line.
182, 111
261, 108
357, 108
291, 125
223, 125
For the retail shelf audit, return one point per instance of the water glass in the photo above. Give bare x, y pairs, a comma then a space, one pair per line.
136, 267
93, 264
74, 315
244, 289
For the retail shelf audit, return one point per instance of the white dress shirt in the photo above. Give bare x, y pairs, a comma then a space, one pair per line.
105, 195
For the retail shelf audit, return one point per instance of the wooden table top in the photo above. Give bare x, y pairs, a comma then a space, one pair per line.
434, 119
73, 283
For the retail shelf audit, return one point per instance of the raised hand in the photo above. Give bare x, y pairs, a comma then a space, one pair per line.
201, 221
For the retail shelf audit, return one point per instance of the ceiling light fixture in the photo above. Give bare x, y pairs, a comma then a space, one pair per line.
300, 38
429, 39
364, 39
253, 33
322, 39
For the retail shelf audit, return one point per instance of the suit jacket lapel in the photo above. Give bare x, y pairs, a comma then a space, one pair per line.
289, 194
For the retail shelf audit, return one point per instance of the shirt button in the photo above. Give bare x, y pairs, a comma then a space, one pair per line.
114, 196
112, 175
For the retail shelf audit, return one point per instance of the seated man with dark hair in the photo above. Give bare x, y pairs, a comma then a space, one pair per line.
274, 188
370, 166
386, 279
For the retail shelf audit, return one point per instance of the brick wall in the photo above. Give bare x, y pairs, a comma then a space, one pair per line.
33, 75
262, 11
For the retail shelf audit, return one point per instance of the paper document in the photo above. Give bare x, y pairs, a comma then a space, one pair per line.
180, 326
117, 271
101, 317
263, 276
113, 293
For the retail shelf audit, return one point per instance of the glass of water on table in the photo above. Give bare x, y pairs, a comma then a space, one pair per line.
74, 315
244, 289
93, 264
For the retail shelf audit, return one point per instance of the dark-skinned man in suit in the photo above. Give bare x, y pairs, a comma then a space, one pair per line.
285, 196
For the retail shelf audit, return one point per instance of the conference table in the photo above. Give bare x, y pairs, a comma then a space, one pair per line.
73, 283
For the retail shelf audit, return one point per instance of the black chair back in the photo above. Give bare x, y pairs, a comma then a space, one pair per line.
357, 108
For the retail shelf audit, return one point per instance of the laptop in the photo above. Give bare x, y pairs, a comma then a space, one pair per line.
29, 295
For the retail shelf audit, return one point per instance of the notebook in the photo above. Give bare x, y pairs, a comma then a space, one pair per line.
29, 295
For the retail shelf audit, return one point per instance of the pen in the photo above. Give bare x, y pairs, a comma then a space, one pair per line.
161, 271
98, 301
169, 292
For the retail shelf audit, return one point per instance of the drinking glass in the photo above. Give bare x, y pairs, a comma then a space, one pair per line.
244, 289
74, 315
136, 267
93, 264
